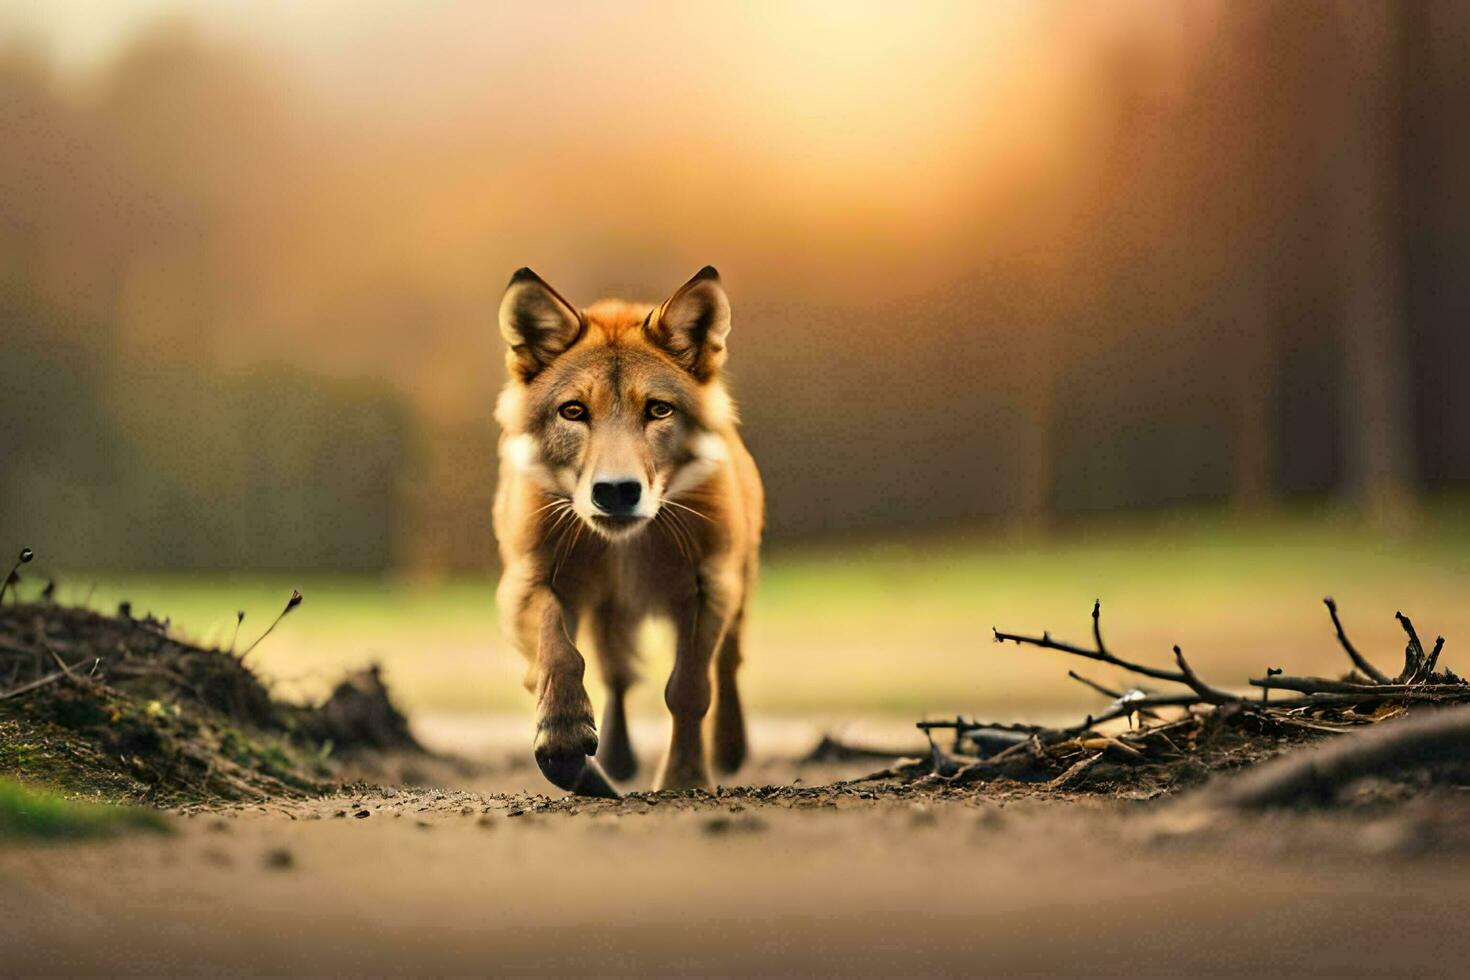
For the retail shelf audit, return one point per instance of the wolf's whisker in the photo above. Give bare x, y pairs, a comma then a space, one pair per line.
670, 533
686, 547
691, 510
560, 527
684, 523
677, 520
670, 529
555, 501
558, 520
685, 533
556, 559
576, 536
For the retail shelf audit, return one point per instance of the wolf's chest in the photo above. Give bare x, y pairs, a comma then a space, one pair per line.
646, 576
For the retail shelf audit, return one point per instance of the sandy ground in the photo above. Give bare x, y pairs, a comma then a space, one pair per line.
798, 880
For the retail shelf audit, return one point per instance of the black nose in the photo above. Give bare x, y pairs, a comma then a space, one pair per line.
617, 497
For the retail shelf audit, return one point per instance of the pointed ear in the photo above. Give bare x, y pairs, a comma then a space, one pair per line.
537, 324
692, 324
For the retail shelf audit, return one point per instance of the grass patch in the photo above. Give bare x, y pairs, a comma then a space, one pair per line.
31, 813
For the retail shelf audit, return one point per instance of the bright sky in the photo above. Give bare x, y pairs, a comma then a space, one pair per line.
842, 93
80, 33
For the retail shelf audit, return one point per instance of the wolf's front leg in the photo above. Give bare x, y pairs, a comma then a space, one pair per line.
565, 735
702, 623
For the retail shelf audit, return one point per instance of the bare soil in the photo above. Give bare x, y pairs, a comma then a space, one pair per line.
1086, 857
851, 879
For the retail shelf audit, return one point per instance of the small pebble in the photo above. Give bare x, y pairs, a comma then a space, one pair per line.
279, 859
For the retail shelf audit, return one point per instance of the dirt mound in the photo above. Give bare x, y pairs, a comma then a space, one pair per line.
118, 708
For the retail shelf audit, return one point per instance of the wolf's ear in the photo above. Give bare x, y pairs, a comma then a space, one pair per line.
537, 324
693, 323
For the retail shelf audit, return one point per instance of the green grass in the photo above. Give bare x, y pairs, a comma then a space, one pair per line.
28, 812
901, 625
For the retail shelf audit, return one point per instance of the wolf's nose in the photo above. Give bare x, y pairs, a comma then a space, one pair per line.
617, 497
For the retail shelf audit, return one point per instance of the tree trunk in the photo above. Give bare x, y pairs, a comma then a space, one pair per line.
1252, 438
1377, 427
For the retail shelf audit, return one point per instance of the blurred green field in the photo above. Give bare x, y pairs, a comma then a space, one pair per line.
899, 627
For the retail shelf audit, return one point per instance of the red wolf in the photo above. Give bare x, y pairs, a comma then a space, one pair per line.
625, 492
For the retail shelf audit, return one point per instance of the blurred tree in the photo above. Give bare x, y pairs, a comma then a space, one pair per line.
1362, 169
1243, 109
1158, 253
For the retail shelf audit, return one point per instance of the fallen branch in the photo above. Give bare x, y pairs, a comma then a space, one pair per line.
1120, 698
1321, 685
1417, 683
32, 685
830, 749
1322, 706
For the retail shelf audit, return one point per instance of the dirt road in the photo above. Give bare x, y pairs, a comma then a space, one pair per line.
794, 881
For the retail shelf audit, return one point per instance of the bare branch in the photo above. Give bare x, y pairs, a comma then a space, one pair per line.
1321, 685
1414, 657
1100, 654
1104, 691
1357, 658
65, 668
1205, 691
1433, 660
1321, 705
1097, 639
32, 685
1408, 626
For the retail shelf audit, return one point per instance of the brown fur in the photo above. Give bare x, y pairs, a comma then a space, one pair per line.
689, 555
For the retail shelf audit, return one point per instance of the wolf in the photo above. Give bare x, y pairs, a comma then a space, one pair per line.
625, 493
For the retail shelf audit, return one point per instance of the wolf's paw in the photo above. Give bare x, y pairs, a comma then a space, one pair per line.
562, 748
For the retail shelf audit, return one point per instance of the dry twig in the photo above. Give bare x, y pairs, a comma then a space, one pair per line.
1357, 658
1322, 706
291, 604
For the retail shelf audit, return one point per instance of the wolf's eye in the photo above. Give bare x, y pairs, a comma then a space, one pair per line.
573, 411
659, 410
